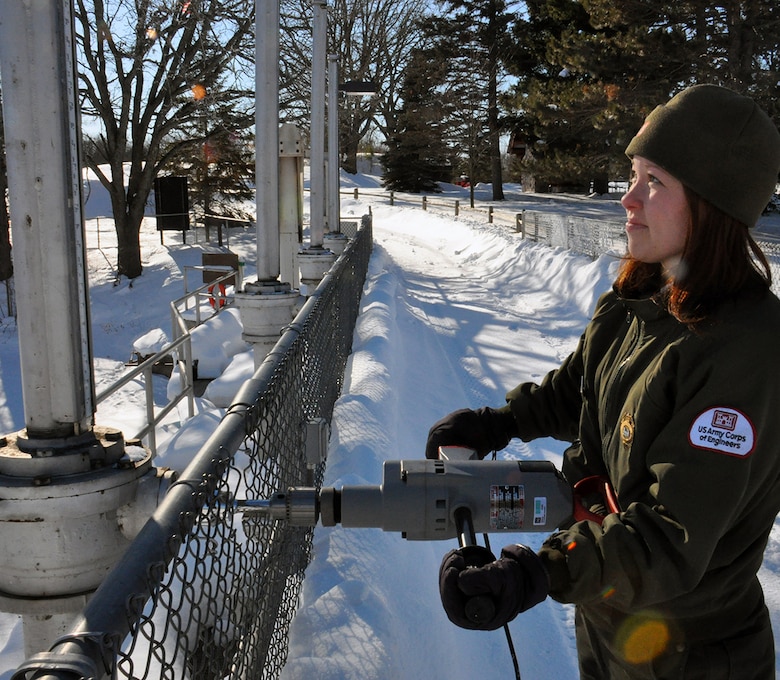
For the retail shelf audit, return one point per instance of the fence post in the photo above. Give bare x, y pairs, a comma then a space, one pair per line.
457, 207
520, 223
392, 198
425, 203
490, 215
356, 193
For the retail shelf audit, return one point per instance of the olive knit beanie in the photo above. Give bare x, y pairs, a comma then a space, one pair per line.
718, 143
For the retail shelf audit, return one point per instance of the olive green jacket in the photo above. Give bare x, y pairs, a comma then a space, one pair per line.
686, 426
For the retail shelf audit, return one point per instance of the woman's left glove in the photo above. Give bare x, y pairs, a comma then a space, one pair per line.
484, 430
481, 593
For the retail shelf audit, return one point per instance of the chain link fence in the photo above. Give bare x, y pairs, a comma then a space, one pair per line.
582, 235
771, 248
204, 592
593, 237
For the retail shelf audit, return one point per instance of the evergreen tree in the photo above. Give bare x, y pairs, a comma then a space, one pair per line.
589, 72
465, 102
216, 154
415, 157
472, 36
735, 43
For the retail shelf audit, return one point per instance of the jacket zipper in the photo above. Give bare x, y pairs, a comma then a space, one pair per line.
618, 373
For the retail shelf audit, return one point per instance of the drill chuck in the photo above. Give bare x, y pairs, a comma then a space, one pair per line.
298, 506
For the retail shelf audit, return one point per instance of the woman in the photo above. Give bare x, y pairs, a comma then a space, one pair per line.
672, 396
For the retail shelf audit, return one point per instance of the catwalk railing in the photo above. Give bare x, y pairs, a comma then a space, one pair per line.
204, 593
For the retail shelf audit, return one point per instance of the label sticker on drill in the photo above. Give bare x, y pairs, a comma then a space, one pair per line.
540, 511
507, 507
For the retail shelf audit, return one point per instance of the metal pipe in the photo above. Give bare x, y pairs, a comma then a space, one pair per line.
42, 148
334, 207
267, 138
317, 131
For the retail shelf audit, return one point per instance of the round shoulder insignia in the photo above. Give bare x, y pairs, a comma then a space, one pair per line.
627, 429
725, 430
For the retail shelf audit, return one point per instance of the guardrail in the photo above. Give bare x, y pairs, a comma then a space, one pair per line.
146, 369
179, 350
210, 296
204, 593
425, 202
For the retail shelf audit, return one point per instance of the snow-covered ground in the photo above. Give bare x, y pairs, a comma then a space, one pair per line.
455, 312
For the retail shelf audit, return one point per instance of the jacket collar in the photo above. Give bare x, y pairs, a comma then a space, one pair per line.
648, 308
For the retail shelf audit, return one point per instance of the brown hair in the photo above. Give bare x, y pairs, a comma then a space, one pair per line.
721, 261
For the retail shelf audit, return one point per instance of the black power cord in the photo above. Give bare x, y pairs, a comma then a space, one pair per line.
511, 644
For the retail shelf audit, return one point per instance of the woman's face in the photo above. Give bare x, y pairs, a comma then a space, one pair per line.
657, 215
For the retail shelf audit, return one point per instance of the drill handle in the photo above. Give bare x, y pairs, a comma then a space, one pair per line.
479, 608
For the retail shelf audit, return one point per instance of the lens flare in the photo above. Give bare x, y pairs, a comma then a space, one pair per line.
642, 639
608, 592
210, 152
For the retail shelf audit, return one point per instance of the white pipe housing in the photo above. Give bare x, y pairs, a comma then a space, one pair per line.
267, 138
42, 150
317, 132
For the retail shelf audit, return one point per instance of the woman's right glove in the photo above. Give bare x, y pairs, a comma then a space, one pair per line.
470, 582
484, 430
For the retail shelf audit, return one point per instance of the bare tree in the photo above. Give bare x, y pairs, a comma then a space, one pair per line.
373, 40
145, 65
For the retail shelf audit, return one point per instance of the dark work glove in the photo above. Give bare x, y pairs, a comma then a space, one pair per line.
484, 430
470, 582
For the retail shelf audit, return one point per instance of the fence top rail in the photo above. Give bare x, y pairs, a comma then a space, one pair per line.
225, 218
497, 209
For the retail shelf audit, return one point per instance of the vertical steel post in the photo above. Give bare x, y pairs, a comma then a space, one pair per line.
267, 304
267, 137
42, 149
334, 204
317, 132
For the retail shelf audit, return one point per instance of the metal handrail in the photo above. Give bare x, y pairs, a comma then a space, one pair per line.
145, 368
181, 339
154, 417
182, 304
